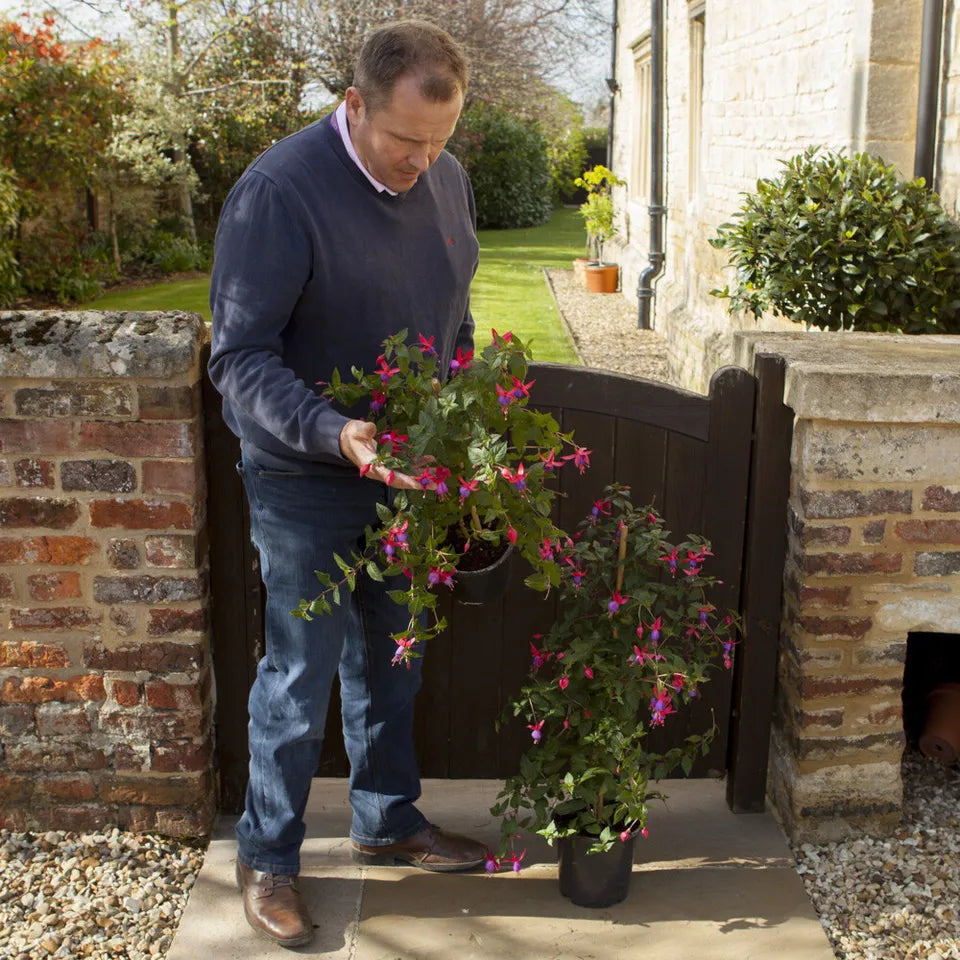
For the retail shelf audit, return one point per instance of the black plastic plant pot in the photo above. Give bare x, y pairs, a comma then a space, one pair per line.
476, 587
594, 879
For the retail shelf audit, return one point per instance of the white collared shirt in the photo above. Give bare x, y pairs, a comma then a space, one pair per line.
344, 129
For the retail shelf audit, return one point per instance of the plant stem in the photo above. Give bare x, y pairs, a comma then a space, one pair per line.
621, 556
476, 518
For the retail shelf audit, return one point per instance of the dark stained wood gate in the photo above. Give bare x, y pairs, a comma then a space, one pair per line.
715, 465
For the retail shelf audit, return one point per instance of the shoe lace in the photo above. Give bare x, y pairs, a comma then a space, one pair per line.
280, 880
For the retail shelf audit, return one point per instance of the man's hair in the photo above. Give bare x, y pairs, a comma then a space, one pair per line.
414, 47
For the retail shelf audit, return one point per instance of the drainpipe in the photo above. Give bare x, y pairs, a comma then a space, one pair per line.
612, 84
657, 209
927, 100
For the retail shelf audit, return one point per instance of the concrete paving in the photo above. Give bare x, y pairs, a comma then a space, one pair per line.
706, 885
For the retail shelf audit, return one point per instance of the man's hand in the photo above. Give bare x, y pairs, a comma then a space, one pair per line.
358, 444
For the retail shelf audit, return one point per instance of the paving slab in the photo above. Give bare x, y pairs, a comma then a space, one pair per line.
706, 884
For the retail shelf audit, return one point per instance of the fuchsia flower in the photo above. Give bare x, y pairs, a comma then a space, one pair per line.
384, 369
703, 613
546, 550
640, 657
378, 402
511, 534
599, 508
461, 361
576, 573
436, 476
588, 672
728, 654
644, 833
394, 541
518, 479
426, 345
521, 389
536, 731
498, 338
515, 860
655, 629
504, 398
404, 651
564, 682
540, 657
671, 560
443, 577
678, 681
580, 458
394, 440
549, 462
624, 835
616, 602
661, 704
467, 487
491, 864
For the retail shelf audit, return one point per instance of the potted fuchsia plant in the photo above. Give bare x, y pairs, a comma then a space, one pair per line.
632, 645
484, 458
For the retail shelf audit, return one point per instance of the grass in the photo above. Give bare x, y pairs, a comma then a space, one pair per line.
509, 291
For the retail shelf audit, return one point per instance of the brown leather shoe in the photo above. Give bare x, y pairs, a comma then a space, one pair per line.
430, 849
274, 907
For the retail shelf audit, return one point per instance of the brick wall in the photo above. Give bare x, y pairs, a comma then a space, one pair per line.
873, 555
105, 674
777, 77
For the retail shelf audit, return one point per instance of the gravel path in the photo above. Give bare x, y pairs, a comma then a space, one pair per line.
119, 895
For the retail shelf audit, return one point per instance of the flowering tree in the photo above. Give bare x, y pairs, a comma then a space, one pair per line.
634, 639
483, 458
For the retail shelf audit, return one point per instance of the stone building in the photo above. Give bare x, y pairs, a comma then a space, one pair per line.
748, 83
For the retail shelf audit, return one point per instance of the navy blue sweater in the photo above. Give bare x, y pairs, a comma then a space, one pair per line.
313, 269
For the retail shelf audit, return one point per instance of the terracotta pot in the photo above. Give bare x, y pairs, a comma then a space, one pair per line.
594, 879
475, 587
602, 277
579, 271
941, 730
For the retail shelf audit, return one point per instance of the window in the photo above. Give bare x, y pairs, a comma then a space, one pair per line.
643, 89
697, 31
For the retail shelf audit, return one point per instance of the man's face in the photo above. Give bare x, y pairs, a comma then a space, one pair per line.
401, 140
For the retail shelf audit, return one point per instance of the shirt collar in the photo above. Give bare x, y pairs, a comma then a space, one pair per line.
343, 128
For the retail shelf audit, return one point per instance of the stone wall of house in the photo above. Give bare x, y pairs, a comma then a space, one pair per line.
105, 675
776, 78
873, 554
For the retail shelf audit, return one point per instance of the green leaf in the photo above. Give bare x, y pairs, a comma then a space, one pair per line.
373, 572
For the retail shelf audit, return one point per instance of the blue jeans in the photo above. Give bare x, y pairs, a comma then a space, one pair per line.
297, 522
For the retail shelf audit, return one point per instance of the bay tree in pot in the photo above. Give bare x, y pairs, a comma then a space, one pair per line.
598, 217
484, 458
634, 641
844, 243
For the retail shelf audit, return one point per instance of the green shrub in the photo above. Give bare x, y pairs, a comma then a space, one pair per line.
159, 251
67, 263
506, 160
842, 242
9, 213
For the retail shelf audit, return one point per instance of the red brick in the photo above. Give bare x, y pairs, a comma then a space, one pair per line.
890, 654
833, 504
146, 589
111, 476
141, 514
833, 686
6, 478
836, 626
942, 499
14, 789
54, 757
891, 712
126, 692
17, 719
165, 621
170, 476
126, 758
179, 756
195, 820
168, 403
123, 554
35, 436
72, 399
54, 586
836, 535
7, 589
54, 618
852, 563
38, 512
172, 550
172, 696
929, 531
820, 718
29, 655
133, 439
157, 657
937, 564
75, 787
874, 531
45, 689
62, 720
34, 473
137, 726
154, 791
61, 551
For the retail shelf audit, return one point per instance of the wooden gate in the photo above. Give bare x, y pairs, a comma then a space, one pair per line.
716, 465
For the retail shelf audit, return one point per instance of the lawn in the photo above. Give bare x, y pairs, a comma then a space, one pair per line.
509, 291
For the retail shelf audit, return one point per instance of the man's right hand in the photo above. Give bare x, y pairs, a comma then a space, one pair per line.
358, 444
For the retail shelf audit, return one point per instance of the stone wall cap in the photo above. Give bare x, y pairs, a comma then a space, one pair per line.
93, 344
872, 377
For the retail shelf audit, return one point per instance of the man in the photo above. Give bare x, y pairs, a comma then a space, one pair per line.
355, 227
